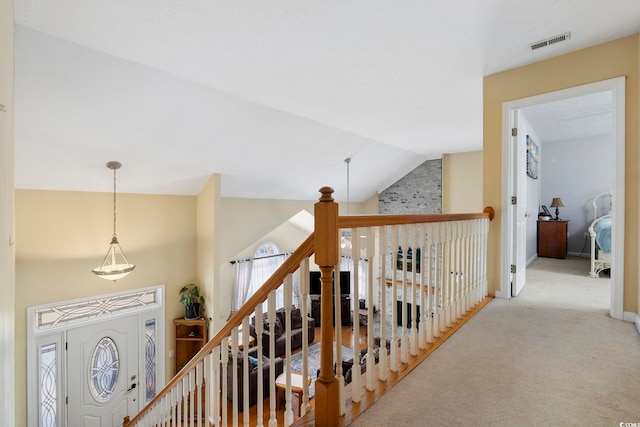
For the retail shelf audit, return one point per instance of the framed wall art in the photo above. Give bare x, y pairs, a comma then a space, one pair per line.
532, 158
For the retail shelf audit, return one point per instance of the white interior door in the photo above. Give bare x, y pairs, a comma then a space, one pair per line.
103, 373
519, 209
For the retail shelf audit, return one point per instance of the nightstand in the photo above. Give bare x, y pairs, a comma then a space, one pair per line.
552, 238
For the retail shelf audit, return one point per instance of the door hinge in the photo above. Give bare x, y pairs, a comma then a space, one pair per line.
66, 346
514, 200
514, 131
66, 400
513, 268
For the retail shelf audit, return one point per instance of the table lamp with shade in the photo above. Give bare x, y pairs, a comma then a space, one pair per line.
556, 203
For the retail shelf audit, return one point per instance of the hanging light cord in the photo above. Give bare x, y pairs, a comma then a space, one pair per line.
114, 202
347, 161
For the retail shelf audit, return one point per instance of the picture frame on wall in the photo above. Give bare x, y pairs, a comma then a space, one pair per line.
532, 158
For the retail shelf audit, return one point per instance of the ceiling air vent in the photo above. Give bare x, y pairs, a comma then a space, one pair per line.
551, 40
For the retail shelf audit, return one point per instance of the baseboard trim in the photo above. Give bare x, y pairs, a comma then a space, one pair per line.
631, 317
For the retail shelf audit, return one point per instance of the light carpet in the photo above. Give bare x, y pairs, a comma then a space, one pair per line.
551, 356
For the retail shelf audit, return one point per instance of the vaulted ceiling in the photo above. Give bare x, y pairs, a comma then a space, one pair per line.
271, 95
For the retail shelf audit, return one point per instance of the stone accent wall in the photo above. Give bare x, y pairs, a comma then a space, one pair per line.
419, 192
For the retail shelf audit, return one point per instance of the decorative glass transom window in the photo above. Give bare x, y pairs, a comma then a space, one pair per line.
104, 369
55, 316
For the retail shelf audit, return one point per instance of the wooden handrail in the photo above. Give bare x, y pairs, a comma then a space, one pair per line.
290, 265
353, 221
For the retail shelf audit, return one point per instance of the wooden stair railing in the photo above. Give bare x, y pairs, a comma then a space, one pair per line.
451, 281
290, 265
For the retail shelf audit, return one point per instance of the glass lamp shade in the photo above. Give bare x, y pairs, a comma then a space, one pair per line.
115, 265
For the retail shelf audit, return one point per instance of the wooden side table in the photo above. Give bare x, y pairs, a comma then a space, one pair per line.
296, 385
552, 238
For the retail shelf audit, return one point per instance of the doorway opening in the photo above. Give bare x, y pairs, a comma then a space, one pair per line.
514, 168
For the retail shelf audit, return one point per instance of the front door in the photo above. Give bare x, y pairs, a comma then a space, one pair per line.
103, 373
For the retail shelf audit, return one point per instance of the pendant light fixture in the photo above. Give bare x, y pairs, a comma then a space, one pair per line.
345, 239
115, 265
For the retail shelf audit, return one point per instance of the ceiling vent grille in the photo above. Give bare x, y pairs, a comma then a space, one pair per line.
551, 40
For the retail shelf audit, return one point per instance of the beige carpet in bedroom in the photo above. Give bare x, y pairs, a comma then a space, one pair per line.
550, 357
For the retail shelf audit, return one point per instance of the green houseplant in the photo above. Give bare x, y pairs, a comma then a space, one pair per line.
192, 300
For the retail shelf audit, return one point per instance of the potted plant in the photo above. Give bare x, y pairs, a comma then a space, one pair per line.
192, 300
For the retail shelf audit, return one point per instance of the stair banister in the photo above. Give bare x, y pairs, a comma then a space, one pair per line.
290, 265
327, 256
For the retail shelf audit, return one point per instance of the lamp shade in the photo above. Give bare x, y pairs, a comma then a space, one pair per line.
556, 203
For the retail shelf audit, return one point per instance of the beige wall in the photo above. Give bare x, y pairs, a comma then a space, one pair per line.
613, 59
243, 224
61, 236
462, 182
208, 277
7, 264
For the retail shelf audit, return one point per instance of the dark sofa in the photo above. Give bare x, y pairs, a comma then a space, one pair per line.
280, 338
253, 378
347, 365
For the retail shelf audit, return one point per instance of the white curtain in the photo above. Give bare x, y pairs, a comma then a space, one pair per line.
241, 283
251, 274
346, 264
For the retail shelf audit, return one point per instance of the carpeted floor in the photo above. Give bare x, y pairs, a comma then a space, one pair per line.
549, 357
313, 358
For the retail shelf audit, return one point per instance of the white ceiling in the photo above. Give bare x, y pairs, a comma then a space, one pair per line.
272, 95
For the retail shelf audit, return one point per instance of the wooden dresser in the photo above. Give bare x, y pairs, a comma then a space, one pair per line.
552, 238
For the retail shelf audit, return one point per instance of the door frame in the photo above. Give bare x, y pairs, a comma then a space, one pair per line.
617, 87
48, 324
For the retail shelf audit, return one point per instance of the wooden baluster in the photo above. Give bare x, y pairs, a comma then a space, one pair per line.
483, 251
356, 376
335, 295
423, 285
464, 269
413, 338
476, 262
235, 391
197, 403
192, 400
271, 316
182, 404
207, 387
246, 371
174, 415
447, 276
164, 410
288, 412
467, 266
303, 293
224, 358
259, 324
338, 341
439, 282
394, 299
404, 338
457, 256
371, 360
326, 256
383, 368
430, 282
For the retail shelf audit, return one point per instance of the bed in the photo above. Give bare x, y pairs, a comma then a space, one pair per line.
600, 233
